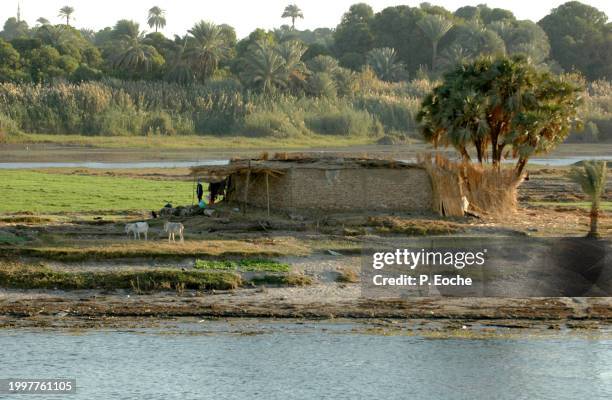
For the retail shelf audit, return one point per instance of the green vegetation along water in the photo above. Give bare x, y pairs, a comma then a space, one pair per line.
272, 360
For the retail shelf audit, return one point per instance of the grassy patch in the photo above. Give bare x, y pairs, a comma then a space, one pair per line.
346, 275
585, 205
415, 227
83, 251
8, 238
282, 280
244, 265
38, 192
41, 277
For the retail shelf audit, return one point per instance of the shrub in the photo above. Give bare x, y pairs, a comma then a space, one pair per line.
269, 124
8, 127
395, 113
345, 122
321, 85
85, 73
346, 82
158, 124
116, 122
346, 275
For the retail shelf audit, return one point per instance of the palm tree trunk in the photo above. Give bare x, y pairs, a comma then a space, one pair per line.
434, 55
293, 23
594, 231
520, 166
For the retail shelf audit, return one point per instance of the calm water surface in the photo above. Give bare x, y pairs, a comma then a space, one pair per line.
286, 361
558, 162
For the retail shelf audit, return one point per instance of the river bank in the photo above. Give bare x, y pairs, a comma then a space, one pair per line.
69, 234
99, 309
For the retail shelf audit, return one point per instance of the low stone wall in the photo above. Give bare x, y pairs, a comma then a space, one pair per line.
349, 189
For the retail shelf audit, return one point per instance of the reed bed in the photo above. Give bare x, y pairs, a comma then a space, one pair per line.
222, 108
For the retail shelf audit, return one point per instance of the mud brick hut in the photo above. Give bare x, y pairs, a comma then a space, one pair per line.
306, 182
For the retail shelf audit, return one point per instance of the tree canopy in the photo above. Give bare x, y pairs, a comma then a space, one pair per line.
423, 40
501, 108
580, 38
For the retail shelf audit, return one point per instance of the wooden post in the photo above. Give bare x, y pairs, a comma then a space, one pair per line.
246, 190
268, 193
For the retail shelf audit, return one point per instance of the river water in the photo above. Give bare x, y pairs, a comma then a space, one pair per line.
555, 162
210, 360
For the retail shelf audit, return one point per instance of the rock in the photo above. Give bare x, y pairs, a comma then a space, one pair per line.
208, 212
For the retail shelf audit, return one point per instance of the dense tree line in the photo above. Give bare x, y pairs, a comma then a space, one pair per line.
369, 76
398, 43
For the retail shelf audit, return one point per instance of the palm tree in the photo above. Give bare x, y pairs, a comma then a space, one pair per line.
132, 53
383, 62
157, 18
43, 21
179, 70
592, 179
66, 12
322, 63
292, 51
434, 27
135, 55
206, 48
88, 34
292, 11
265, 68
56, 36
454, 55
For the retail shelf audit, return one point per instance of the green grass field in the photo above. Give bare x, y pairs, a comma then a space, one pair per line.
46, 192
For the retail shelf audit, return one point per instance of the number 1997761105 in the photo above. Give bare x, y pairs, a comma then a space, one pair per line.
37, 386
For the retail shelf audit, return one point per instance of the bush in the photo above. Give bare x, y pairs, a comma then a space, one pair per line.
395, 113
346, 82
347, 275
321, 85
345, 122
85, 73
158, 124
269, 124
116, 122
8, 127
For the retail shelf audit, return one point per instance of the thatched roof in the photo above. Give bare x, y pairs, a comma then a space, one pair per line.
281, 162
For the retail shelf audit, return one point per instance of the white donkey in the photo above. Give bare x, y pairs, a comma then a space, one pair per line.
172, 228
136, 229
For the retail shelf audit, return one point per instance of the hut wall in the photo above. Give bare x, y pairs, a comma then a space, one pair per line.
362, 189
342, 189
280, 190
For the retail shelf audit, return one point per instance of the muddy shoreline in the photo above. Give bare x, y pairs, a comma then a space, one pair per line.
95, 309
